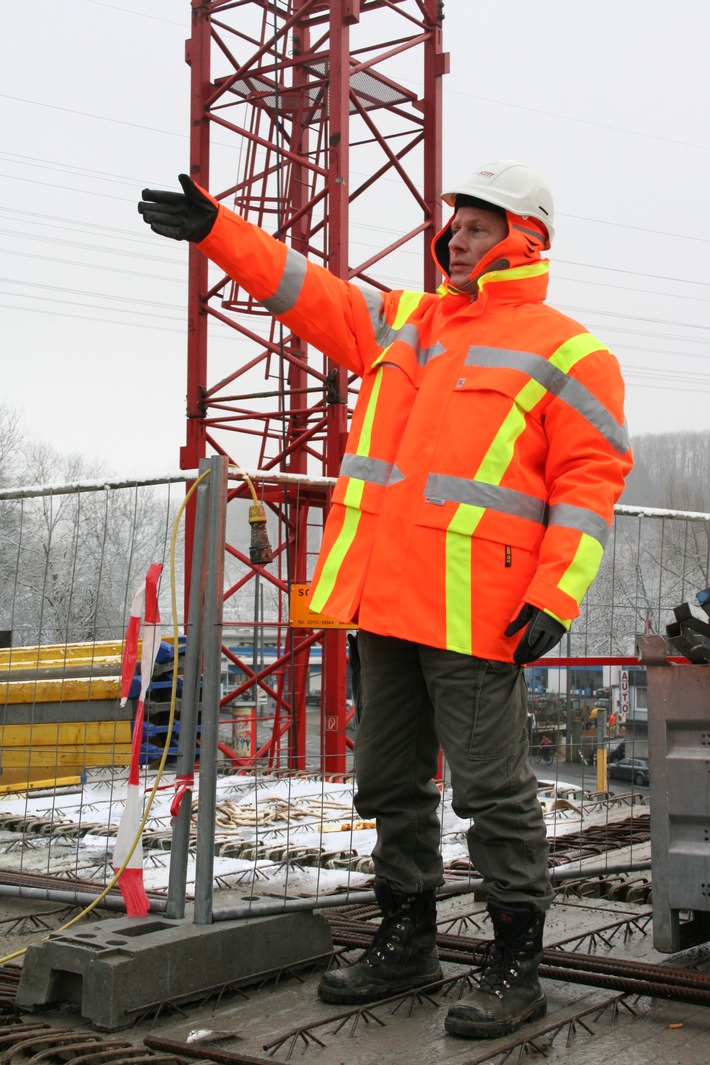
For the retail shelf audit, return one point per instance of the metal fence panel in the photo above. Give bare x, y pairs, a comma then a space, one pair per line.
70, 562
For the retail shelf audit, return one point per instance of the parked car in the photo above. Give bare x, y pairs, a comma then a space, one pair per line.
618, 752
633, 769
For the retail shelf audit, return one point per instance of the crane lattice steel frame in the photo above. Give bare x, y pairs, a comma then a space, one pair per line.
310, 94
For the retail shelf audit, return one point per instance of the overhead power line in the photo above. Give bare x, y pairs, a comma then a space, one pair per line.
580, 121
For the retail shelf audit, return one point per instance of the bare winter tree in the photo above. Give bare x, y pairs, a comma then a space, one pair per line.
70, 563
652, 564
10, 518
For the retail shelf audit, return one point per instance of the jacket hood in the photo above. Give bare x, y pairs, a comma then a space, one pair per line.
524, 244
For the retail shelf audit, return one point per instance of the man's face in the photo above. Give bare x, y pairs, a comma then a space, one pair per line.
474, 232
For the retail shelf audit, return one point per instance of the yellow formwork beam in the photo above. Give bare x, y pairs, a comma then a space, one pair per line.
79, 755
59, 690
63, 655
104, 652
36, 781
61, 733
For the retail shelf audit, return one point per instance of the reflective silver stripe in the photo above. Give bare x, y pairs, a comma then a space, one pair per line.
585, 521
535, 366
558, 383
375, 308
408, 334
441, 488
425, 355
531, 233
374, 471
385, 334
290, 285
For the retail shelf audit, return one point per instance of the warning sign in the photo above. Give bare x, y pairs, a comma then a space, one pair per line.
303, 618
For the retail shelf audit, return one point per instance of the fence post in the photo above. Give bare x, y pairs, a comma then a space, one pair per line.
209, 718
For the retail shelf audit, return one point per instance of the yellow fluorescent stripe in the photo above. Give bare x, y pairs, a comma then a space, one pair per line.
408, 302
459, 540
365, 441
582, 569
464, 522
530, 394
570, 353
353, 492
514, 275
500, 453
584, 566
331, 568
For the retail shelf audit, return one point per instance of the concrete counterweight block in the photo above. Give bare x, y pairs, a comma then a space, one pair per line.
118, 968
679, 756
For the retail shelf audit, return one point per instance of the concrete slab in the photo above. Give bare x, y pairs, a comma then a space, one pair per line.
239, 1026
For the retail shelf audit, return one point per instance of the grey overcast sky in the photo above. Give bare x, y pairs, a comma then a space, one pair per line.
608, 99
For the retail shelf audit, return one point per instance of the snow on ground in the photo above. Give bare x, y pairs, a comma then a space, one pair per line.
276, 835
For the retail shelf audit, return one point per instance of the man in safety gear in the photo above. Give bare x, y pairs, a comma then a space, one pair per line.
487, 450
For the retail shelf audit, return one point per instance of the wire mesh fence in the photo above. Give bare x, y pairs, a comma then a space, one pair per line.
70, 563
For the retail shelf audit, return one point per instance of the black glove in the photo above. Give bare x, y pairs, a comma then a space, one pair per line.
540, 636
182, 217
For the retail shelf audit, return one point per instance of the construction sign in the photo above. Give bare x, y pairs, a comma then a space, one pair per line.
303, 618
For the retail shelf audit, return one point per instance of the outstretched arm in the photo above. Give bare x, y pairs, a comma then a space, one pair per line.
339, 318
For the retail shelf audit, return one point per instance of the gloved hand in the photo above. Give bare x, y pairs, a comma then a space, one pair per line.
540, 636
181, 217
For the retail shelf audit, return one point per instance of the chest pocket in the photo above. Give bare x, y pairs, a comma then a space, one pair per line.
506, 384
486, 479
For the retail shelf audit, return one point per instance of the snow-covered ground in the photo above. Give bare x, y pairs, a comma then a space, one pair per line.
275, 835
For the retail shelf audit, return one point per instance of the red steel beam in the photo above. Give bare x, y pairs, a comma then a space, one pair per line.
310, 95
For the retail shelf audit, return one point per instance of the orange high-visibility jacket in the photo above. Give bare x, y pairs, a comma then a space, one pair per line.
487, 446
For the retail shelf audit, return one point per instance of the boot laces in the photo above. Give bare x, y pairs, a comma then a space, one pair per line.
500, 968
388, 937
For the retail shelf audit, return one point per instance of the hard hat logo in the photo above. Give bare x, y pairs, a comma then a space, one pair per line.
516, 187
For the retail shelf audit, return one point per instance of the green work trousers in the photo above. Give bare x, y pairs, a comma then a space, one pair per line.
412, 699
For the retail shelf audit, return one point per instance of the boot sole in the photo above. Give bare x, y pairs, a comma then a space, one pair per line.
470, 1029
350, 997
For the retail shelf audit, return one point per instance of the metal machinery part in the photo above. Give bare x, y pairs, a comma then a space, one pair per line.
679, 756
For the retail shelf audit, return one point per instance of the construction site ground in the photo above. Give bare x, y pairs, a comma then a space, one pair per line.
632, 1014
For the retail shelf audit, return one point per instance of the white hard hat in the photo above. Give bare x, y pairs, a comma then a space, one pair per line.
515, 187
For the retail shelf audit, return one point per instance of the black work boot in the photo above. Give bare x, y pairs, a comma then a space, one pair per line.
509, 992
402, 955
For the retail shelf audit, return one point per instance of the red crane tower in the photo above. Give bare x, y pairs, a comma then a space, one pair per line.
321, 122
